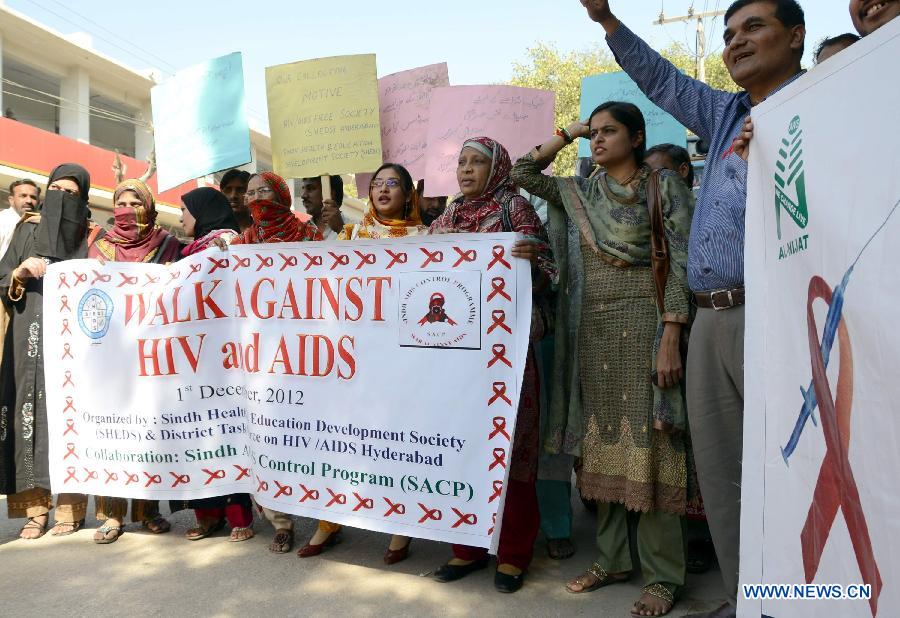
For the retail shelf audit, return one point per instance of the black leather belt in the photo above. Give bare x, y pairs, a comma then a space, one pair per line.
720, 299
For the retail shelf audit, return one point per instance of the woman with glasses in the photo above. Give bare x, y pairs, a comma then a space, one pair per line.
269, 201
393, 213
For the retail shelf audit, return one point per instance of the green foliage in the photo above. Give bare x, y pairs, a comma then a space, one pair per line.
546, 68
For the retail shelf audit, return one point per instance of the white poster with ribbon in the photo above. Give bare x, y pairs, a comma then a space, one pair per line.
819, 526
372, 383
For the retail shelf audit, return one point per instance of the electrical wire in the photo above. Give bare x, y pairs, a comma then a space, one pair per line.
106, 112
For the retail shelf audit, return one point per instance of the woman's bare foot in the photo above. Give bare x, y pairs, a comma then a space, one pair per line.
34, 528
239, 534
398, 542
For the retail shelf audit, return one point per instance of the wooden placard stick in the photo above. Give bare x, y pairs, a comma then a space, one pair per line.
326, 187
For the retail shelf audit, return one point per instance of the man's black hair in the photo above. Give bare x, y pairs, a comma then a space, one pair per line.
233, 174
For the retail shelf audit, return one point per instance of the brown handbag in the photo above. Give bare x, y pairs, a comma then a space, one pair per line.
659, 244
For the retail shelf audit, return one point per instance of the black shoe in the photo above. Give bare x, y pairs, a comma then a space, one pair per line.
508, 583
452, 572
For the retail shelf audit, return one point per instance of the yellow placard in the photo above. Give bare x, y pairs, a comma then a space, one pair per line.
324, 117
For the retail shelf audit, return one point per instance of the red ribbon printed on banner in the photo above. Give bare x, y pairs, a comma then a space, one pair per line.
469, 519
499, 351
365, 259
62, 282
397, 508
70, 427
308, 494
498, 489
153, 479
218, 263
499, 428
242, 472
396, 258
465, 256
213, 475
431, 256
70, 451
180, 479
499, 321
499, 393
499, 459
283, 490
100, 277
111, 477
339, 259
363, 503
127, 280
65, 328
336, 498
70, 471
433, 514
240, 262
261, 485
79, 277
68, 381
289, 261
265, 261
132, 478
150, 279
64, 303
836, 486
498, 287
499, 254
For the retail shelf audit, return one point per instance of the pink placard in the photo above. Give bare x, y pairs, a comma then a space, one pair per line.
404, 99
519, 118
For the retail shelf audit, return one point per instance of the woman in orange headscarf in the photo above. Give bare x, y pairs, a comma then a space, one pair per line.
393, 213
269, 200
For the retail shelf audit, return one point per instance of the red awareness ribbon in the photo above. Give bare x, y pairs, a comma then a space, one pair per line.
499, 459
498, 286
218, 263
127, 280
100, 277
309, 494
499, 321
180, 479
264, 262
363, 503
67, 352
262, 486
498, 489
79, 277
836, 486
398, 508
70, 451
499, 429
465, 256
132, 478
240, 262
242, 472
111, 477
339, 259
493, 524
62, 282
70, 471
64, 303
214, 475
195, 268
432, 514
70, 427
431, 256
283, 490
153, 479
90, 475
68, 381
150, 279
469, 519
173, 275
499, 351
288, 261
65, 329
397, 258
70, 405
340, 499
499, 254
499, 393
365, 259
312, 260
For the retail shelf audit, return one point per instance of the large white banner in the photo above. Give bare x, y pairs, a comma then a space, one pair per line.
371, 383
821, 431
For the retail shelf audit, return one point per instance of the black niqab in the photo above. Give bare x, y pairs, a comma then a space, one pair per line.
62, 231
211, 209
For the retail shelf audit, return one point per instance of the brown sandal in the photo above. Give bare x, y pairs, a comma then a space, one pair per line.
283, 541
106, 534
602, 578
33, 525
655, 590
157, 524
237, 532
65, 528
202, 531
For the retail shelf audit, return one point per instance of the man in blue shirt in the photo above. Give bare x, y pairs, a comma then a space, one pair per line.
763, 47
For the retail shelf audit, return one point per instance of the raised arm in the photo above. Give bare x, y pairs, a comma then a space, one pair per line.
693, 103
526, 173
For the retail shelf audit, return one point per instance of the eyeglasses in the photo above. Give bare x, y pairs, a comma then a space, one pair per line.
259, 192
392, 183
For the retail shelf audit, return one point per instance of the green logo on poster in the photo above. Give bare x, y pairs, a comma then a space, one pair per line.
790, 187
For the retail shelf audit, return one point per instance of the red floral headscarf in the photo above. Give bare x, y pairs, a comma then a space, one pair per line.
273, 220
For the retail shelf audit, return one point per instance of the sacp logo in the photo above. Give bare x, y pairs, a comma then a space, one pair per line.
790, 188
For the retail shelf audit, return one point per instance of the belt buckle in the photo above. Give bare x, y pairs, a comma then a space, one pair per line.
712, 300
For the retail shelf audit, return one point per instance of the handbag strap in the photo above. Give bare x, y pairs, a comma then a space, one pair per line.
659, 245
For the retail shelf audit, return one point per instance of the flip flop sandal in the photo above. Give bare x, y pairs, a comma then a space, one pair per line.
33, 525
604, 578
156, 525
232, 538
68, 527
108, 534
201, 533
659, 591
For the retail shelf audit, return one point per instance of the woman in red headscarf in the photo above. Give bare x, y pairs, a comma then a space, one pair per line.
490, 203
269, 200
135, 237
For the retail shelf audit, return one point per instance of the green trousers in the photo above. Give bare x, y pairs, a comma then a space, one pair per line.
555, 502
660, 539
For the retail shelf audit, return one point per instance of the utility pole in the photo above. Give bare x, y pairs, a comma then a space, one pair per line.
700, 66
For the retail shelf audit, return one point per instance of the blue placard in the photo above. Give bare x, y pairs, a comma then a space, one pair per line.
200, 121
596, 89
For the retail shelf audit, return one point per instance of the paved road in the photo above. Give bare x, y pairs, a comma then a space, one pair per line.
146, 575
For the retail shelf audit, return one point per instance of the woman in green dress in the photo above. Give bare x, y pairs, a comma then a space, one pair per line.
618, 395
